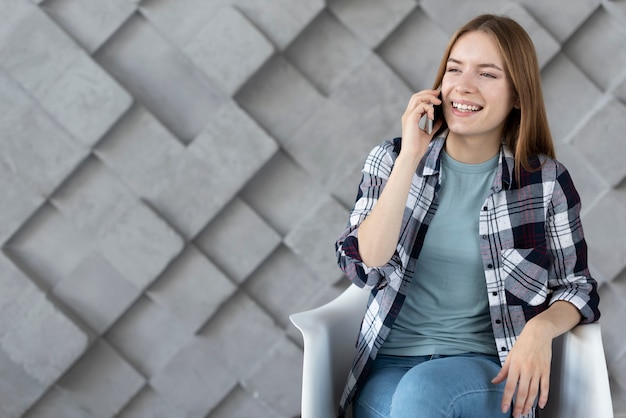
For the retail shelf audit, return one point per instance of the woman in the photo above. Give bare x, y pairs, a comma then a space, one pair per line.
471, 241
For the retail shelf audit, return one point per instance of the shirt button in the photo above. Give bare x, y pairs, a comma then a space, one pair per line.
502, 348
490, 266
498, 321
484, 237
484, 207
494, 293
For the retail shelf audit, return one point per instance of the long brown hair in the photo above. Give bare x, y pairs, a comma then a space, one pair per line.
526, 130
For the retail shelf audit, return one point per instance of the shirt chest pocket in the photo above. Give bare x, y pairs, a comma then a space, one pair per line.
525, 275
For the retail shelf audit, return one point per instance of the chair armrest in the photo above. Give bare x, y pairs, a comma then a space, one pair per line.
329, 334
579, 384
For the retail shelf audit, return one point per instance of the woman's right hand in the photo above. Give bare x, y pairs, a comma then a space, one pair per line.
415, 140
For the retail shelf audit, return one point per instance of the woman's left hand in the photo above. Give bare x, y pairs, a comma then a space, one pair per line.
527, 369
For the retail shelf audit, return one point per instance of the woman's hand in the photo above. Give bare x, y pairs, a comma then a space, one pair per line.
527, 369
414, 140
527, 366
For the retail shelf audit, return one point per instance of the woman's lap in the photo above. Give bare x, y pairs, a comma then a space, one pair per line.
425, 386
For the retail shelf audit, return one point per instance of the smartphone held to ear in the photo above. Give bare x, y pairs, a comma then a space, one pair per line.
426, 124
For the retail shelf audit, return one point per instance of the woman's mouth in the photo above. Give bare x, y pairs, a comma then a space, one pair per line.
465, 107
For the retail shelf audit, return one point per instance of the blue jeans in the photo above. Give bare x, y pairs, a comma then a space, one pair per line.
431, 387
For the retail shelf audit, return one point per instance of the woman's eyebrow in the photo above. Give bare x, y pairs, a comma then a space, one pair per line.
486, 65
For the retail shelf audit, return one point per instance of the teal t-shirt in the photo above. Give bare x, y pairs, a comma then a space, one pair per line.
446, 309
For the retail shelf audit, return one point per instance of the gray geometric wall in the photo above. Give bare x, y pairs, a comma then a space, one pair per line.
174, 175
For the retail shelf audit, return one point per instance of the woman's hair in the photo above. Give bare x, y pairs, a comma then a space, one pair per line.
526, 129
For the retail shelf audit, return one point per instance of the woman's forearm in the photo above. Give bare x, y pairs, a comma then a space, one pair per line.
378, 234
559, 318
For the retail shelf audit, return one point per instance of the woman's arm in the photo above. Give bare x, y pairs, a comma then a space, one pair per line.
574, 300
378, 233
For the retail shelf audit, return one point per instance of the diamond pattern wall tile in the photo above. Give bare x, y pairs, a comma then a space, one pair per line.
18, 390
192, 288
371, 20
34, 146
48, 246
240, 403
326, 40
602, 221
283, 284
175, 175
188, 379
561, 17
545, 45
34, 318
238, 239
323, 224
96, 292
145, 63
450, 14
403, 52
610, 124
614, 305
357, 115
280, 20
605, 66
89, 23
275, 376
238, 333
591, 186
140, 245
101, 382
233, 162
620, 92
147, 337
241, 47
57, 403
33, 50
279, 97
141, 151
86, 101
29, 321
93, 199
166, 16
193, 194
19, 202
281, 192
567, 107
148, 403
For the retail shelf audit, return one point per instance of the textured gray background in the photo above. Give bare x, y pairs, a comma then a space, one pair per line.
174, 174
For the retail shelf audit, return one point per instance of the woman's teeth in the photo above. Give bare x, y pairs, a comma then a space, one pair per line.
466, 108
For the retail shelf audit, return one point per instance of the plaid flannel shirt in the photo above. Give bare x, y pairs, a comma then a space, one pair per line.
531, 240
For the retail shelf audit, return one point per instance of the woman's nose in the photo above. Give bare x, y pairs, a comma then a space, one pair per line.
465, 83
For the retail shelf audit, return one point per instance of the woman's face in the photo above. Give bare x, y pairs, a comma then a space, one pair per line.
476, 91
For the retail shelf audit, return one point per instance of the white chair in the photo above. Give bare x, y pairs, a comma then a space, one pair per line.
579, 384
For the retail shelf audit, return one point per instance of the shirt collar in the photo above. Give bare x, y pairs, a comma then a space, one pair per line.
432, 162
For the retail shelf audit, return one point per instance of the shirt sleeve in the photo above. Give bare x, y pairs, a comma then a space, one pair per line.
375, 174
569, 277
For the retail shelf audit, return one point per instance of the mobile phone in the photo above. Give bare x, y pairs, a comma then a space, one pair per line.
426, 124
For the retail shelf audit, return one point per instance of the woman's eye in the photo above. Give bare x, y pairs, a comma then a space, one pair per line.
452, 70
488, 75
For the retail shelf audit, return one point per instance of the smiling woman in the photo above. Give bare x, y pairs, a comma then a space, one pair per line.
470, 239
